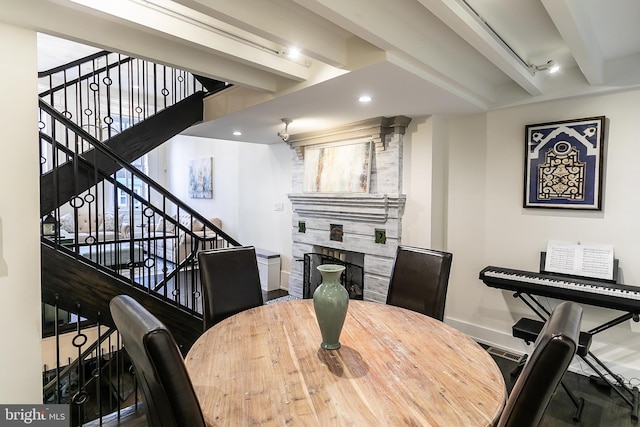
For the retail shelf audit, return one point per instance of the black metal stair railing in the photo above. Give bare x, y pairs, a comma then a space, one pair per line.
125, 222
117, 216
114, 218
95, 378
106, 93
115, 225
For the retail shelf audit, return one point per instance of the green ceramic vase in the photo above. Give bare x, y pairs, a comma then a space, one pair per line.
330, 301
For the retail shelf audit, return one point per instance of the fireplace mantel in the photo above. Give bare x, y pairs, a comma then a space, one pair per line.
369, 223
347, 207
375, 130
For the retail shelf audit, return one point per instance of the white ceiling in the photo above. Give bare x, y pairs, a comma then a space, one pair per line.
414, 57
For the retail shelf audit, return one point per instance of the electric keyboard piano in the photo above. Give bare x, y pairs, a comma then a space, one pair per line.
586, 291
528, 285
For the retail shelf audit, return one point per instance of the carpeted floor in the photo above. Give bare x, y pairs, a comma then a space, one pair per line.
280, 299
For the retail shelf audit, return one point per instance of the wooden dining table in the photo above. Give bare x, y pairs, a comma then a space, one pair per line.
396, 367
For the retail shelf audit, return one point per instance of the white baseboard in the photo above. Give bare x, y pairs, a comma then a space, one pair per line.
507, 342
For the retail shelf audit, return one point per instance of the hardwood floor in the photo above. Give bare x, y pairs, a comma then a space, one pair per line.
271, 295
603, 407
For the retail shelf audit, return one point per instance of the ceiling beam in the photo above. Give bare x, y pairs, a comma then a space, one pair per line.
475, 31
569, 18
194, 32
413, 36
284, 24
76, 24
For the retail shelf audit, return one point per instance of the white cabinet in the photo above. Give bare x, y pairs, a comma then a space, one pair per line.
269, 269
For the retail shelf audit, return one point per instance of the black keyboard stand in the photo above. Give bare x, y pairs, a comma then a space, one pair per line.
629, 395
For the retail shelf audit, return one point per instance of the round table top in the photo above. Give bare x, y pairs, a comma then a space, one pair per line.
264, 366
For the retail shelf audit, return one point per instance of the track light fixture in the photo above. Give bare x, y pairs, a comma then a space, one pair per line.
549, 66
284, 134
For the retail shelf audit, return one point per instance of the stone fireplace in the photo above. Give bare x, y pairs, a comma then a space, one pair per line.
367, 223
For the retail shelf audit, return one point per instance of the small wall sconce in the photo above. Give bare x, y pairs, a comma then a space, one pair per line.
50, 226
284, 133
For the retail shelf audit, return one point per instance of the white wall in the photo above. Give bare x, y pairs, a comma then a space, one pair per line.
249, 181
224, 204
417, 182
20, 334
488, 226
265, 183
478, 160
425, 157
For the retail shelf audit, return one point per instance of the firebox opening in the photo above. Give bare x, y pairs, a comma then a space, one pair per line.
352, 278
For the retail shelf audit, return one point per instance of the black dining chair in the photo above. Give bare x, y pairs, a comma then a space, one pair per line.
553, 351
168, 395
230, 282
419, 280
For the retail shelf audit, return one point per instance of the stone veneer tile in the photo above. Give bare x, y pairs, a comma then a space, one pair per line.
359, 215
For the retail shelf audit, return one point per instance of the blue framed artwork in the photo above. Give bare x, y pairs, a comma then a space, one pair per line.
201, 178
563, 164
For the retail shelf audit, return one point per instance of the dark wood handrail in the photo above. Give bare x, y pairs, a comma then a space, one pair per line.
74, 364
104, 149
84, 77
73, 63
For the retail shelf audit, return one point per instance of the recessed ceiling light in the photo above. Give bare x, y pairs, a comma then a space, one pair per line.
237, 133
364, 98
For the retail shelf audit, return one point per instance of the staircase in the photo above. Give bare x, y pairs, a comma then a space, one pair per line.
124, 233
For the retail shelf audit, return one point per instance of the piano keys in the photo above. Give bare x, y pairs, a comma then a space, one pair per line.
587, 291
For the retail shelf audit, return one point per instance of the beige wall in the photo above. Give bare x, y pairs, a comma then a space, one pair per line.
425, 169
20, 358
249, 181
417, 182
463, 181
478, 159
488, 226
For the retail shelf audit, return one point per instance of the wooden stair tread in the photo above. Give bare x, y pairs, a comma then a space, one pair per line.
131, 416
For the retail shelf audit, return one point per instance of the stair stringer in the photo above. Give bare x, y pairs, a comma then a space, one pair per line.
130, 144
79, 287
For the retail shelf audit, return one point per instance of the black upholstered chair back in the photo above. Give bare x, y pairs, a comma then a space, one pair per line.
554, 348
168, 394
230, 282
419, 280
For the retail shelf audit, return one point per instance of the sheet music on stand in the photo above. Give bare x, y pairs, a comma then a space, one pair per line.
592, 260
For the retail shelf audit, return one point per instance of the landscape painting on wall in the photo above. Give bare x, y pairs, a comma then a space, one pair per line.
200, 178
344, 168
